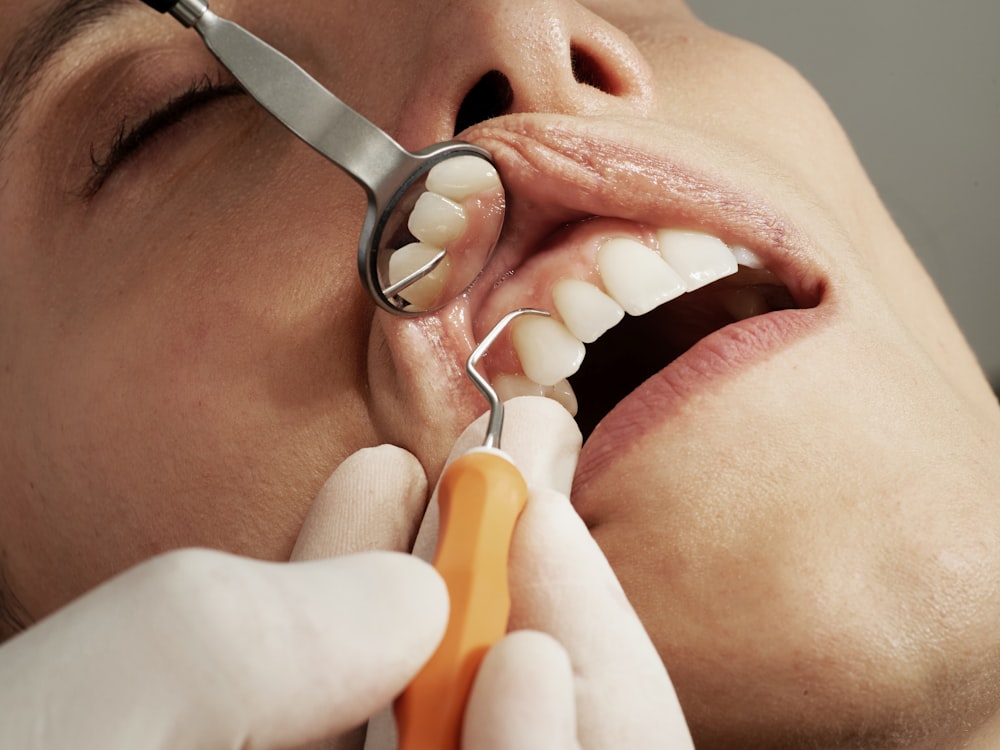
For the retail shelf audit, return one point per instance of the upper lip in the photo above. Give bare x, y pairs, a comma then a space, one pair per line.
558, 169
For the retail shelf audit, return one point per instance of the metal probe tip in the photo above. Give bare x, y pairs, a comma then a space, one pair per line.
495, 426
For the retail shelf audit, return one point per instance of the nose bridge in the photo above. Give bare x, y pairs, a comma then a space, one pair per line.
483, 58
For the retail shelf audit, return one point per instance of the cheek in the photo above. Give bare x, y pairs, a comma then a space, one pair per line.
192, 389
421, 397
821, 585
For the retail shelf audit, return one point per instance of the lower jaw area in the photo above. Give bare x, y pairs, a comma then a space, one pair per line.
681, 386
769, 535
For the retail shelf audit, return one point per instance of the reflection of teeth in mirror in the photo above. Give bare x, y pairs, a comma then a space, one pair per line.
511, 386
585, 310
547, 350
461, 176
636, 277
422, 294
435, 220
698, 258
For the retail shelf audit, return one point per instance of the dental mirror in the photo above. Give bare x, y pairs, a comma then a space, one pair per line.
433, 216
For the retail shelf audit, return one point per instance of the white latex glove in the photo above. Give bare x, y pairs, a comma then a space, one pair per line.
562, 584
202, 650
198, 649
579, 671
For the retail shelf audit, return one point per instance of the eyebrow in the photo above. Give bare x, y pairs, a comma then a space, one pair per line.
36, 44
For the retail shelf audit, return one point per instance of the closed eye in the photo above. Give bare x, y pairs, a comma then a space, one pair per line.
128, 141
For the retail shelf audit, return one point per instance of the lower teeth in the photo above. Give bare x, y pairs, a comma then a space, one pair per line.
511, 386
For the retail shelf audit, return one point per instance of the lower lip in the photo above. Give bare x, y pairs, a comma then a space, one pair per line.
719, 356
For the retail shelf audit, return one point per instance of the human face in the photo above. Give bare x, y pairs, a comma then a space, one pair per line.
802, 507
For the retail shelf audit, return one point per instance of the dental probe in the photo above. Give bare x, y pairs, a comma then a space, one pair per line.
480, 497
391, 176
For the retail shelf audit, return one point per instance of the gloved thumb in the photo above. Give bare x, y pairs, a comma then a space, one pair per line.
375, 500
204, 650
541, 438
544, 442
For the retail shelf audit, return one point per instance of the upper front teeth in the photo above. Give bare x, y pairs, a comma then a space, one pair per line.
636, 279
586, 310
748, 258
699, 258
548, 351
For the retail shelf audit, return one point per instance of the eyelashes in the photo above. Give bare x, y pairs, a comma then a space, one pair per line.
128, 141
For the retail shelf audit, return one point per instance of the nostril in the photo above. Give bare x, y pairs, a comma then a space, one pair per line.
588, 71
491, 97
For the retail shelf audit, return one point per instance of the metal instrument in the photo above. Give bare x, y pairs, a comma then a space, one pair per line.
481, 495
391, 176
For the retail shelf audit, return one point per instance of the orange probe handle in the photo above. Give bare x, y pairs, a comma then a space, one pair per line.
480, 497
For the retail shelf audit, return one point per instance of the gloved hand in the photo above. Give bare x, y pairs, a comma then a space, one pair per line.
199, 649
579, 671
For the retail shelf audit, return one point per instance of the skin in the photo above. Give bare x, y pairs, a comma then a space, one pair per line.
809, 532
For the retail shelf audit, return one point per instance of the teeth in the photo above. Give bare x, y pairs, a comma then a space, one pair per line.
424, 293
747, 258
637, 277
585, 310
435, 220
746, 303
636, 280
511, 386
547, 350
699, 258
459, 177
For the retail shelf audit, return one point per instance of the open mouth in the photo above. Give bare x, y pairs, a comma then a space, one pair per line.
639, 347
647, 301
658, 271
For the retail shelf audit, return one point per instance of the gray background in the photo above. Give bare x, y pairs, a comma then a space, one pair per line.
916, 84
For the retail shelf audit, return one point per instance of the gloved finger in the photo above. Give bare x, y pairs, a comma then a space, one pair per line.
374, 500
562, 584
522, 698
544, 442
200, 649
538, 434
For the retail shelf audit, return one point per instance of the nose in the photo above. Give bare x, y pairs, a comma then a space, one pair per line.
479, 59
446, 65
